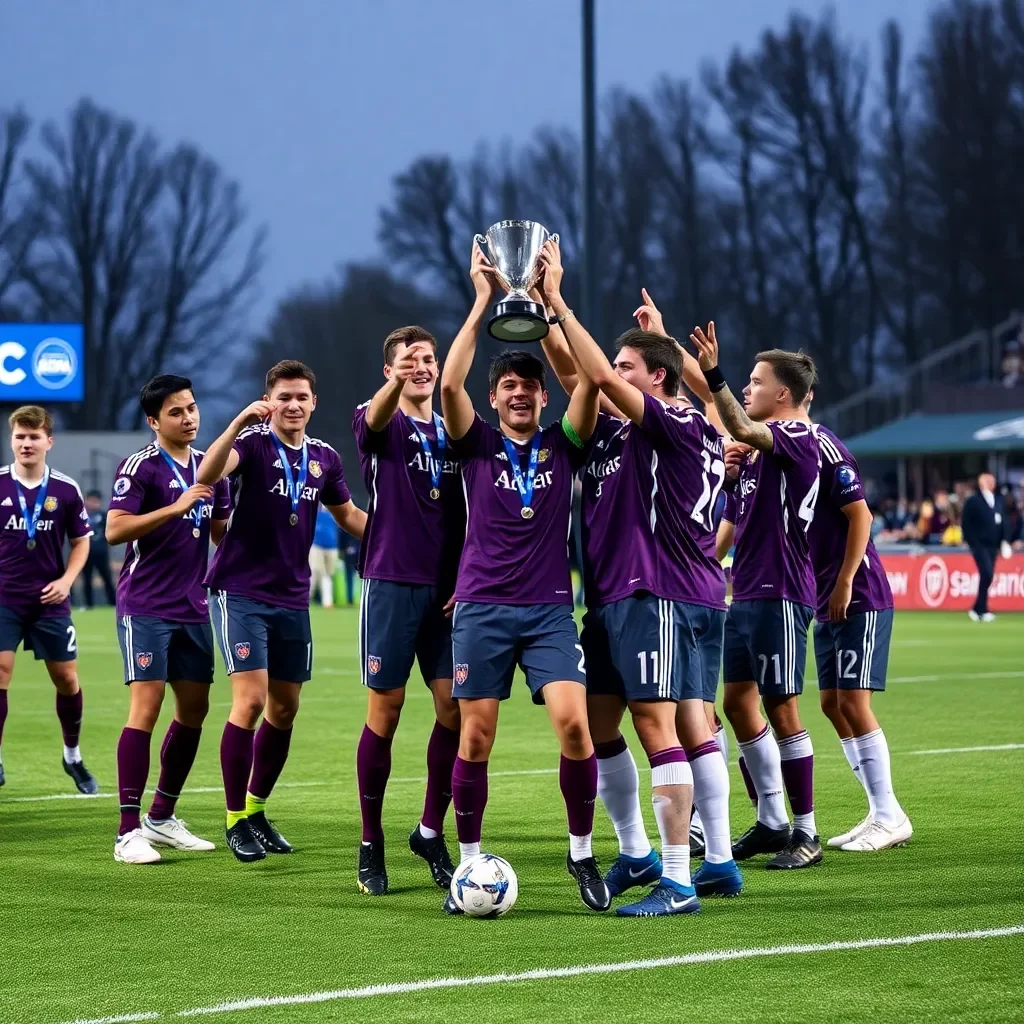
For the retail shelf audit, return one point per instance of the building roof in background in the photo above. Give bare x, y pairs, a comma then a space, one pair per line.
951, 434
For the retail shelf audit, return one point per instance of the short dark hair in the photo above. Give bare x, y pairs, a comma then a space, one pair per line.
795, 371
290, 369
518, 361
658, 353
94, 494
32, 417
405, 336
158, 389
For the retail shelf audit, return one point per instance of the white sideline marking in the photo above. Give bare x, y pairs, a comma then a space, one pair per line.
548, 973
969, 750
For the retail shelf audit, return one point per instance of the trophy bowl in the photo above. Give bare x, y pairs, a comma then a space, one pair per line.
513, 248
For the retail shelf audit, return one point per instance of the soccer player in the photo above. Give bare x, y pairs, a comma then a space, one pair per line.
851, 641
514, 592
773, 595
260, 575
163, 622
655, 594
408, 561
40, 508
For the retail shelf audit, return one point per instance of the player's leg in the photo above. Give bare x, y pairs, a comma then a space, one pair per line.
6, 672
760, 761
618, 781
330, 561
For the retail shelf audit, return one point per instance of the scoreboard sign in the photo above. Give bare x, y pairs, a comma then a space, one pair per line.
42, 362
930, 581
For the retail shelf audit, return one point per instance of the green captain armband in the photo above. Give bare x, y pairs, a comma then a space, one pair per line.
570, 432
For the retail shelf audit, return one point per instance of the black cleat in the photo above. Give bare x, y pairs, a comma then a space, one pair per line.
593, 891
696, 840
373, 877
266, 835
802, 851
2, 779
83, 778
435, 853
242, 843
450, 906
760, 839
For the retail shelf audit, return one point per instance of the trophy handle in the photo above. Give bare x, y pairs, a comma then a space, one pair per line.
554, 238
482, 242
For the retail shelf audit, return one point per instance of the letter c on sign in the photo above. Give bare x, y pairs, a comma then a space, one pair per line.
13, 351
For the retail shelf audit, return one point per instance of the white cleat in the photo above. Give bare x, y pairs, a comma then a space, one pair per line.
134, 848
836, 842
988, 617
173, 833
973, 616
881, 837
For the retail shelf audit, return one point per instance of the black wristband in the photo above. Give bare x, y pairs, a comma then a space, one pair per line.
715, 379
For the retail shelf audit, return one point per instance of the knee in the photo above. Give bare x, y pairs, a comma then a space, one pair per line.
65, 678
247, 708
784, 716
476, 739
384, 711
282, 715
6, 671
446, 711
830, 707
192, 713
574, 733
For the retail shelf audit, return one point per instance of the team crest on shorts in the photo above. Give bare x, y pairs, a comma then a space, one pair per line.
461, 674
50, 504
144, 659
314, 469
372, 664
242, 651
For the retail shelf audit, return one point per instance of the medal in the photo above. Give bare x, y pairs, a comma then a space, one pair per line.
524, 486
196, 512
32, 521
435, 460
293, 487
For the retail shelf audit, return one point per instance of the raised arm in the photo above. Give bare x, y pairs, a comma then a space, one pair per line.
384, 403
456, 405
221, 459
735, 420
857, 537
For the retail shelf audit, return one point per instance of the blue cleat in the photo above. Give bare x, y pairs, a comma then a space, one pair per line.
628, 872
718, 879
664, 899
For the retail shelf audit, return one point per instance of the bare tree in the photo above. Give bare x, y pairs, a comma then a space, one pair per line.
18, 224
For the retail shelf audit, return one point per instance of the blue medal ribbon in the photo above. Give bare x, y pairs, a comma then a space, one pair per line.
435, 461
196, 513
31, 522
524, 486
293, 488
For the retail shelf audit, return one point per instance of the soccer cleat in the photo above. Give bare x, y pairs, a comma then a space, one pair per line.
243, 843
435, 853
988, 617
803, 851
593, 890
266, 835
718, 879
664, 899
760, 838
696, 838
372, 877
973, 616
450, 906
172, 832
134, 848
83, 778
847, 837
878, 836
627, 872
2, 779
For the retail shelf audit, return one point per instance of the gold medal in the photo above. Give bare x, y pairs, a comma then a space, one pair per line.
293, 520
435, 493
31, 544
195, 532
526, 512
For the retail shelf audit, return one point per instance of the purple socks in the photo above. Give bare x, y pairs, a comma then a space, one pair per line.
177, 755
269, 754
373, 767
236, 748
578, 782
469, 794
132, 772
69, 711
442, 749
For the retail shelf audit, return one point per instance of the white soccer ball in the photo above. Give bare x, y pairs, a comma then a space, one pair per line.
485, 886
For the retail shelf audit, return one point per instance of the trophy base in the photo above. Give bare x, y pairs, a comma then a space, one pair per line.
518, 320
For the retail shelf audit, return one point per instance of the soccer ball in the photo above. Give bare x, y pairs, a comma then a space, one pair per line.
485, 886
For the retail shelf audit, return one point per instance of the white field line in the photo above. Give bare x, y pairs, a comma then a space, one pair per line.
491, 775
552, 973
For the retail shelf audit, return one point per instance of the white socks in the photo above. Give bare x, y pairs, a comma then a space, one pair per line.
876, 775
427, 833
468, 850
764, 762
618, 785
72, 755
722, 739
711, 794
675, 857
327, 591
580, 847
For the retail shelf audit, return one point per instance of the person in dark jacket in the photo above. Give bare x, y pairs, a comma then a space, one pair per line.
99, 552
985, 527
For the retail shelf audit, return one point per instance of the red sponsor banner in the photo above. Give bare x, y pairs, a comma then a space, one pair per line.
940, 581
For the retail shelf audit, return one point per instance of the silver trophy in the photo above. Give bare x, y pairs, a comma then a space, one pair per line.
513, 248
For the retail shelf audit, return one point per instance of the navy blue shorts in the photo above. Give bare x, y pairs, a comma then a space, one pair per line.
49, 638
766, 641
853, 655
649, 648
253, 635
489, 640
165, 651
400, 623
710, 645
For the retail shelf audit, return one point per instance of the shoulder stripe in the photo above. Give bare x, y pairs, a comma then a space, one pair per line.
132, 463
65, 479
323, 444
256, 428
829, 449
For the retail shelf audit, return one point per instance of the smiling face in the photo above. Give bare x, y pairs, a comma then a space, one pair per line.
424, 378
519, 401
178, 420
296, 403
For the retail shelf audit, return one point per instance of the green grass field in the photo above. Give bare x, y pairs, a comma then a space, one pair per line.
86, 939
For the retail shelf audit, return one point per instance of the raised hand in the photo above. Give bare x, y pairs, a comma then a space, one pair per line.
482, 274
256, 412
191, 497
551, 260
707, 346
648, 316
405, 365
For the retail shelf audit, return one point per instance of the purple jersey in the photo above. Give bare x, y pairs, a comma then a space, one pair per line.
24, 572
508, 559
841, 486
163, 571
774, 507
649, 495
262, 556
410, 536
